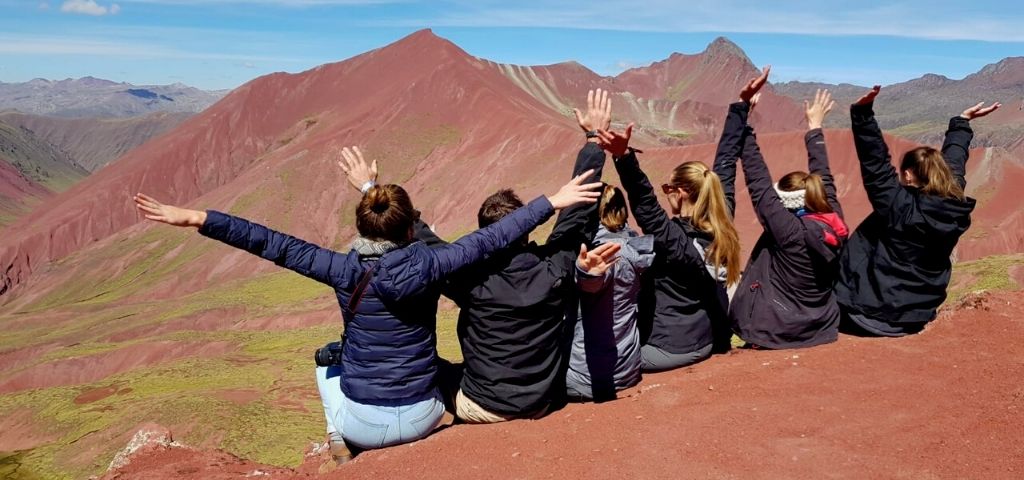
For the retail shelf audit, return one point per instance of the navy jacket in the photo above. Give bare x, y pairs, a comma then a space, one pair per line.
389, 354
896, 267
785, 298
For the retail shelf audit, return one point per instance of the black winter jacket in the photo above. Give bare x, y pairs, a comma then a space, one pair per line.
512, 324
896, 267
785, 298
680, 300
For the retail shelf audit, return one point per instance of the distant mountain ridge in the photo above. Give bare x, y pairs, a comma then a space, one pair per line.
918, 109
97, 97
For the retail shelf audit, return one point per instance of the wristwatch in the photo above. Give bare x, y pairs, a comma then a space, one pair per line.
592, 134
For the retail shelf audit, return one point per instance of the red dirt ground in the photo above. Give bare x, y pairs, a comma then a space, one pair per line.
947, 403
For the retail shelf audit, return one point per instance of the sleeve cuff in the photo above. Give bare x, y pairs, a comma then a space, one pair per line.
213, 218
862, 111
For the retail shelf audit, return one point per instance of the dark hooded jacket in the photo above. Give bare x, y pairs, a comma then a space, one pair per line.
894, 272
512, 325
785, 299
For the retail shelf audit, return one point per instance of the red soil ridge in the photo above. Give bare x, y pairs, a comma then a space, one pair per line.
435, 117
858, 408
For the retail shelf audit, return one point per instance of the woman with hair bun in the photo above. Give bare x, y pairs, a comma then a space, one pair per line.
383, 389
785, 299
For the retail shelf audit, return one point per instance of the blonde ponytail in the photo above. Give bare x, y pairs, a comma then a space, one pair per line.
710, 214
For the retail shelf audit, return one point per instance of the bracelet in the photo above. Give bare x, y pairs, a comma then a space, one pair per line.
592, 134
367, 186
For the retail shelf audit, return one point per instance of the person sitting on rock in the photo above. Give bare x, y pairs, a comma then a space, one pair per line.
384, 390
512, 324
785, 299
605, 356
683, 303
894, 272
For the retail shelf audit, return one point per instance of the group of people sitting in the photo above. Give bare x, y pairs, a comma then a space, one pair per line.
580, 317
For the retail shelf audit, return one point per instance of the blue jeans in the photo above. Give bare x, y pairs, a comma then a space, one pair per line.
372, 426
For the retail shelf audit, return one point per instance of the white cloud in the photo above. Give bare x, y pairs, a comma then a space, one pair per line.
44, 5
89, 7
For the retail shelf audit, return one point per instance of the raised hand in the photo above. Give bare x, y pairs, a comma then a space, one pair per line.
817, 110
598, 260
978, 111
576, 192
869, 97
599, 112
755, 85
355, 167
753, 101
158, 212
613, 142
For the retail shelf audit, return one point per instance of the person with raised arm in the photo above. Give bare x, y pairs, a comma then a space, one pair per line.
512, 323
696, 257
785, 299
381, 389
895, 270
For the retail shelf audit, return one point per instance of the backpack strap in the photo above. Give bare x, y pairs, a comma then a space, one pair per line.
357, 294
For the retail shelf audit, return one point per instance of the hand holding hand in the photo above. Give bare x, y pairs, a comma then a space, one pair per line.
355, 167
614, 142
754, 86
158, 212
869, 97
576, 192
817, 110
597, 261
979, 111
599, 112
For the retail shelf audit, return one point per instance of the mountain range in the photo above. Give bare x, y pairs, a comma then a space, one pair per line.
117, 322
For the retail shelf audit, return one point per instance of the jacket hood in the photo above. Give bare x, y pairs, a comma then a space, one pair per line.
945, 216
825, 234
637, 249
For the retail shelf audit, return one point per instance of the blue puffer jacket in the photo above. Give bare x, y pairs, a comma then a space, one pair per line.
389, 354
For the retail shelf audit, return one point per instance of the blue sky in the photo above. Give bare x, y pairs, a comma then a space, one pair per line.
224, 43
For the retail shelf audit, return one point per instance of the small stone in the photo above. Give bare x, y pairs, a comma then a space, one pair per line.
639, 417
514, 455
711, 387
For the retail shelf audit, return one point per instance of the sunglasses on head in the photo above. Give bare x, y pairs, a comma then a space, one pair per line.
668, 188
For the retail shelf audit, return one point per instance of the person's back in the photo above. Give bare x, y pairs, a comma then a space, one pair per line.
511, 328
895, 270
785, 299
605, 355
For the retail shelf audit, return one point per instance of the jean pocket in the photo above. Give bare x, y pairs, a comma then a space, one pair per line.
425, 422
362, 432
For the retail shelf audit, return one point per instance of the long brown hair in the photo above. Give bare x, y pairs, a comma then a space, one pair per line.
612, 208
815, 199
932, 172
711, 215
385, 213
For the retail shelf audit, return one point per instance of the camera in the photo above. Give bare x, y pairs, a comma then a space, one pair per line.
328, 355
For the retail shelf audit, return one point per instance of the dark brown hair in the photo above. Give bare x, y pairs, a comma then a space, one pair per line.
932, 172
496, 206
385, 213
815, 199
